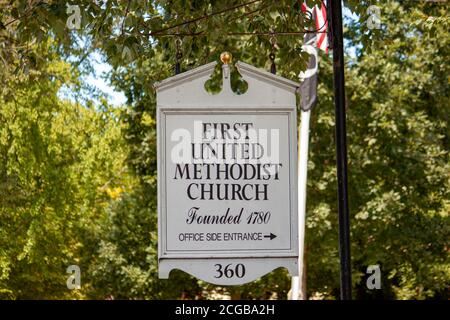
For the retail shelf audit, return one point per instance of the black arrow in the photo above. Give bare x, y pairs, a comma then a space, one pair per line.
271, 236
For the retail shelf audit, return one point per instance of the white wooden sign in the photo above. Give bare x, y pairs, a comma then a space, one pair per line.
227, 168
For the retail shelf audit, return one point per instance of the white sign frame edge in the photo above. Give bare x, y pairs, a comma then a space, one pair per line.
266, 261
294, 251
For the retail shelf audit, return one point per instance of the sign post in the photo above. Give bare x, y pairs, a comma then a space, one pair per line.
227, 176
341, 149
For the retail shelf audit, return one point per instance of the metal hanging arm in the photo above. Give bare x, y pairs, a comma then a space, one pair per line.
273, 42
178, 54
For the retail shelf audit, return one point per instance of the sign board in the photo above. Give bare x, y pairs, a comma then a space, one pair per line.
227, 168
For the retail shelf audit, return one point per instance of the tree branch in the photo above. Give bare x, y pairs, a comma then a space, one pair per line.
125, 17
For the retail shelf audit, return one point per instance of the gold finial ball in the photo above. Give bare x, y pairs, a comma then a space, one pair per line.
226, 57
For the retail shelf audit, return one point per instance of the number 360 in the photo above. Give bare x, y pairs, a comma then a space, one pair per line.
229, 271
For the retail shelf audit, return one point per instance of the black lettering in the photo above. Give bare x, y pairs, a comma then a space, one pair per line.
189, 191
236, 191
182, 172
192, 214
264, 192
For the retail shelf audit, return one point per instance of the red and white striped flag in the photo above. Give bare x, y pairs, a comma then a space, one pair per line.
322, 27
312, 41
320, 15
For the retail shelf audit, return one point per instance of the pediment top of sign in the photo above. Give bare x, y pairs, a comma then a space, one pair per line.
246, 70
186, 76
263, 75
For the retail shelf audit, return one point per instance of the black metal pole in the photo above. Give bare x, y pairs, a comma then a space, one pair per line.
341, 148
